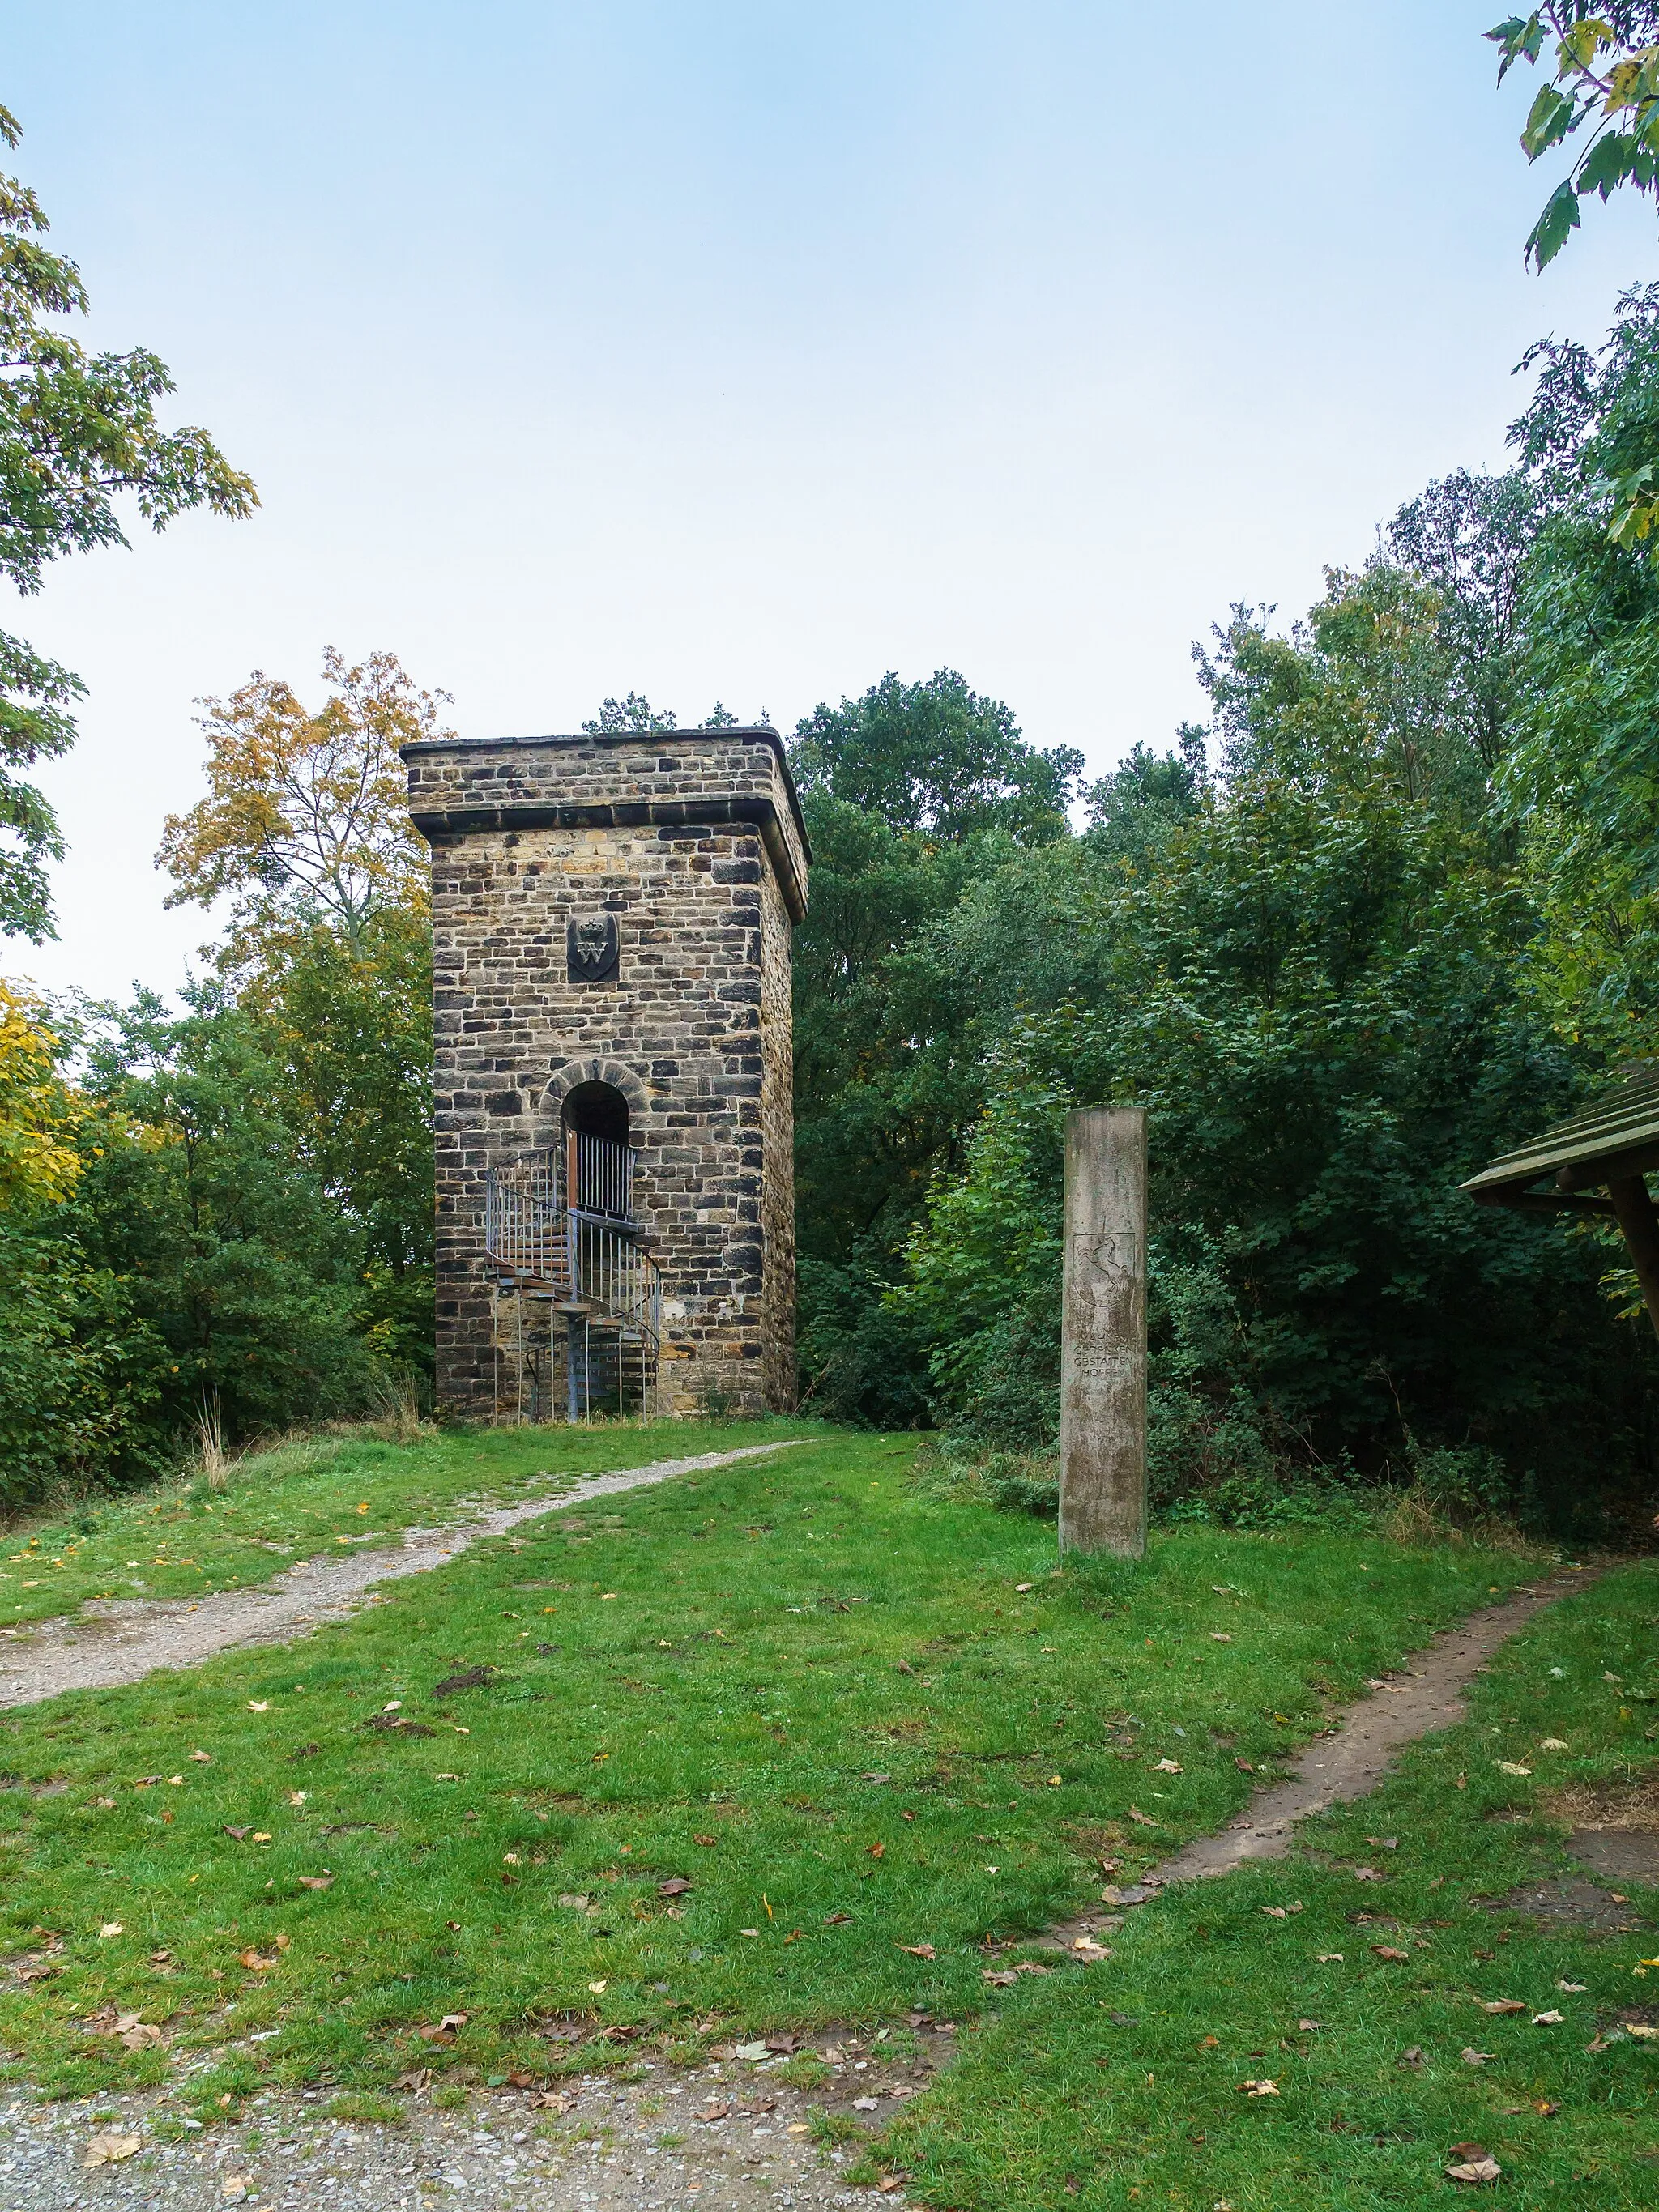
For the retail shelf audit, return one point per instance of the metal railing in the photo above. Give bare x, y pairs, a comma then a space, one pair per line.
526, 1235
599, 1176
585, 1260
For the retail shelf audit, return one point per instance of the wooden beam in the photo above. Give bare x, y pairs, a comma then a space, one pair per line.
1102, 1387
1634, 1208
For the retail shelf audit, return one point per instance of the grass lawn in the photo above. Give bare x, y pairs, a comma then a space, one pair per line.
1120, 2086
851, 1716
317, 1495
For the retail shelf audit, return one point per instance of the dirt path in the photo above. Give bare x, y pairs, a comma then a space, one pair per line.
1427, 1695
113, 1641
658, 2140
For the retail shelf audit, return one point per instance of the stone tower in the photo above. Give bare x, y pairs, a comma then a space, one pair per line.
611, 918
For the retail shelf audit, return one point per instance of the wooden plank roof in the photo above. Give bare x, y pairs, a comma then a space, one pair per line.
1616, 1135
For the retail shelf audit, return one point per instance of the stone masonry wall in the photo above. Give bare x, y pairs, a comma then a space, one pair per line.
691, 841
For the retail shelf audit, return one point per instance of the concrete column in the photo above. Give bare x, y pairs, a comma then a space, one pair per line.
1103, 1385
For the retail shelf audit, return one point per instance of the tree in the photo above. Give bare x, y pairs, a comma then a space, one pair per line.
306, 818
935, 759
78, 433
1607, 76
38, 1163
635, 714
911, 792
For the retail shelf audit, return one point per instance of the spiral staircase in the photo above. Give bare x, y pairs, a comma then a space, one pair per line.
577, 1312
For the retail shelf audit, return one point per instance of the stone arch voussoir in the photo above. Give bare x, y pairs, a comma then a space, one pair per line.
564, 1079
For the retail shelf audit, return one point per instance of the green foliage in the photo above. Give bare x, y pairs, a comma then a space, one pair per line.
1607, 77
231, 1250
934, 756
1314, 981
911, 794
78, 433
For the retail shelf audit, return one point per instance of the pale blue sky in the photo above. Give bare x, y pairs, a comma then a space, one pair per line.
749, 351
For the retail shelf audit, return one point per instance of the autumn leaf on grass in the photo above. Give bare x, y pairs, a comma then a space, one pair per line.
1283, 1912
919, 1950
876, 1852
1471, 2162
261, 1962
1260, 2089
1509, 1766
316, 1881
1387, 1951
1497, 2004
1471, 2056
1167, 1766
1142, 1820
444, 2030
259, 1705
676, 1886
836, 1919
111, 1928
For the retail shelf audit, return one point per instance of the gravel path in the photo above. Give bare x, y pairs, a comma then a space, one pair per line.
725, 2137
112, 1641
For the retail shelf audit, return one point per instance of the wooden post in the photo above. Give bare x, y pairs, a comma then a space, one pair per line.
1634, 1208
1102, 1360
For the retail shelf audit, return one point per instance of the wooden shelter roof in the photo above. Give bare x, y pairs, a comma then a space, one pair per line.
1616, 1136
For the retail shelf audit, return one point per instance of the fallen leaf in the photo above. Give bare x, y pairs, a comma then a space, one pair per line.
1573, 1989
316, 1881
241, 1834
1640, 2028
1387, 1951
876, 1852
1260, 2089
676, 1886
1220, 1636
1000, 1978
111, 1928
233, 2188
903, 1667
1501, 2004
108, 2150
1022, 1588
1140, 1818
1244, 1765
1307, 2027
711, 2112
1552, 1743
1509, 1766
259, 1962
1472, 2163
868, 2104
836, 1919
1547, 2019
1471, 2056
1411, 2058
510, 1858
752, 2052
297, 1797
919, 1950
259, 1705
261, 1835
1325, 1957
1167, 1766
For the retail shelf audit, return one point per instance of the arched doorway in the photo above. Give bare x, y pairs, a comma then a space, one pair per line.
598, 1159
